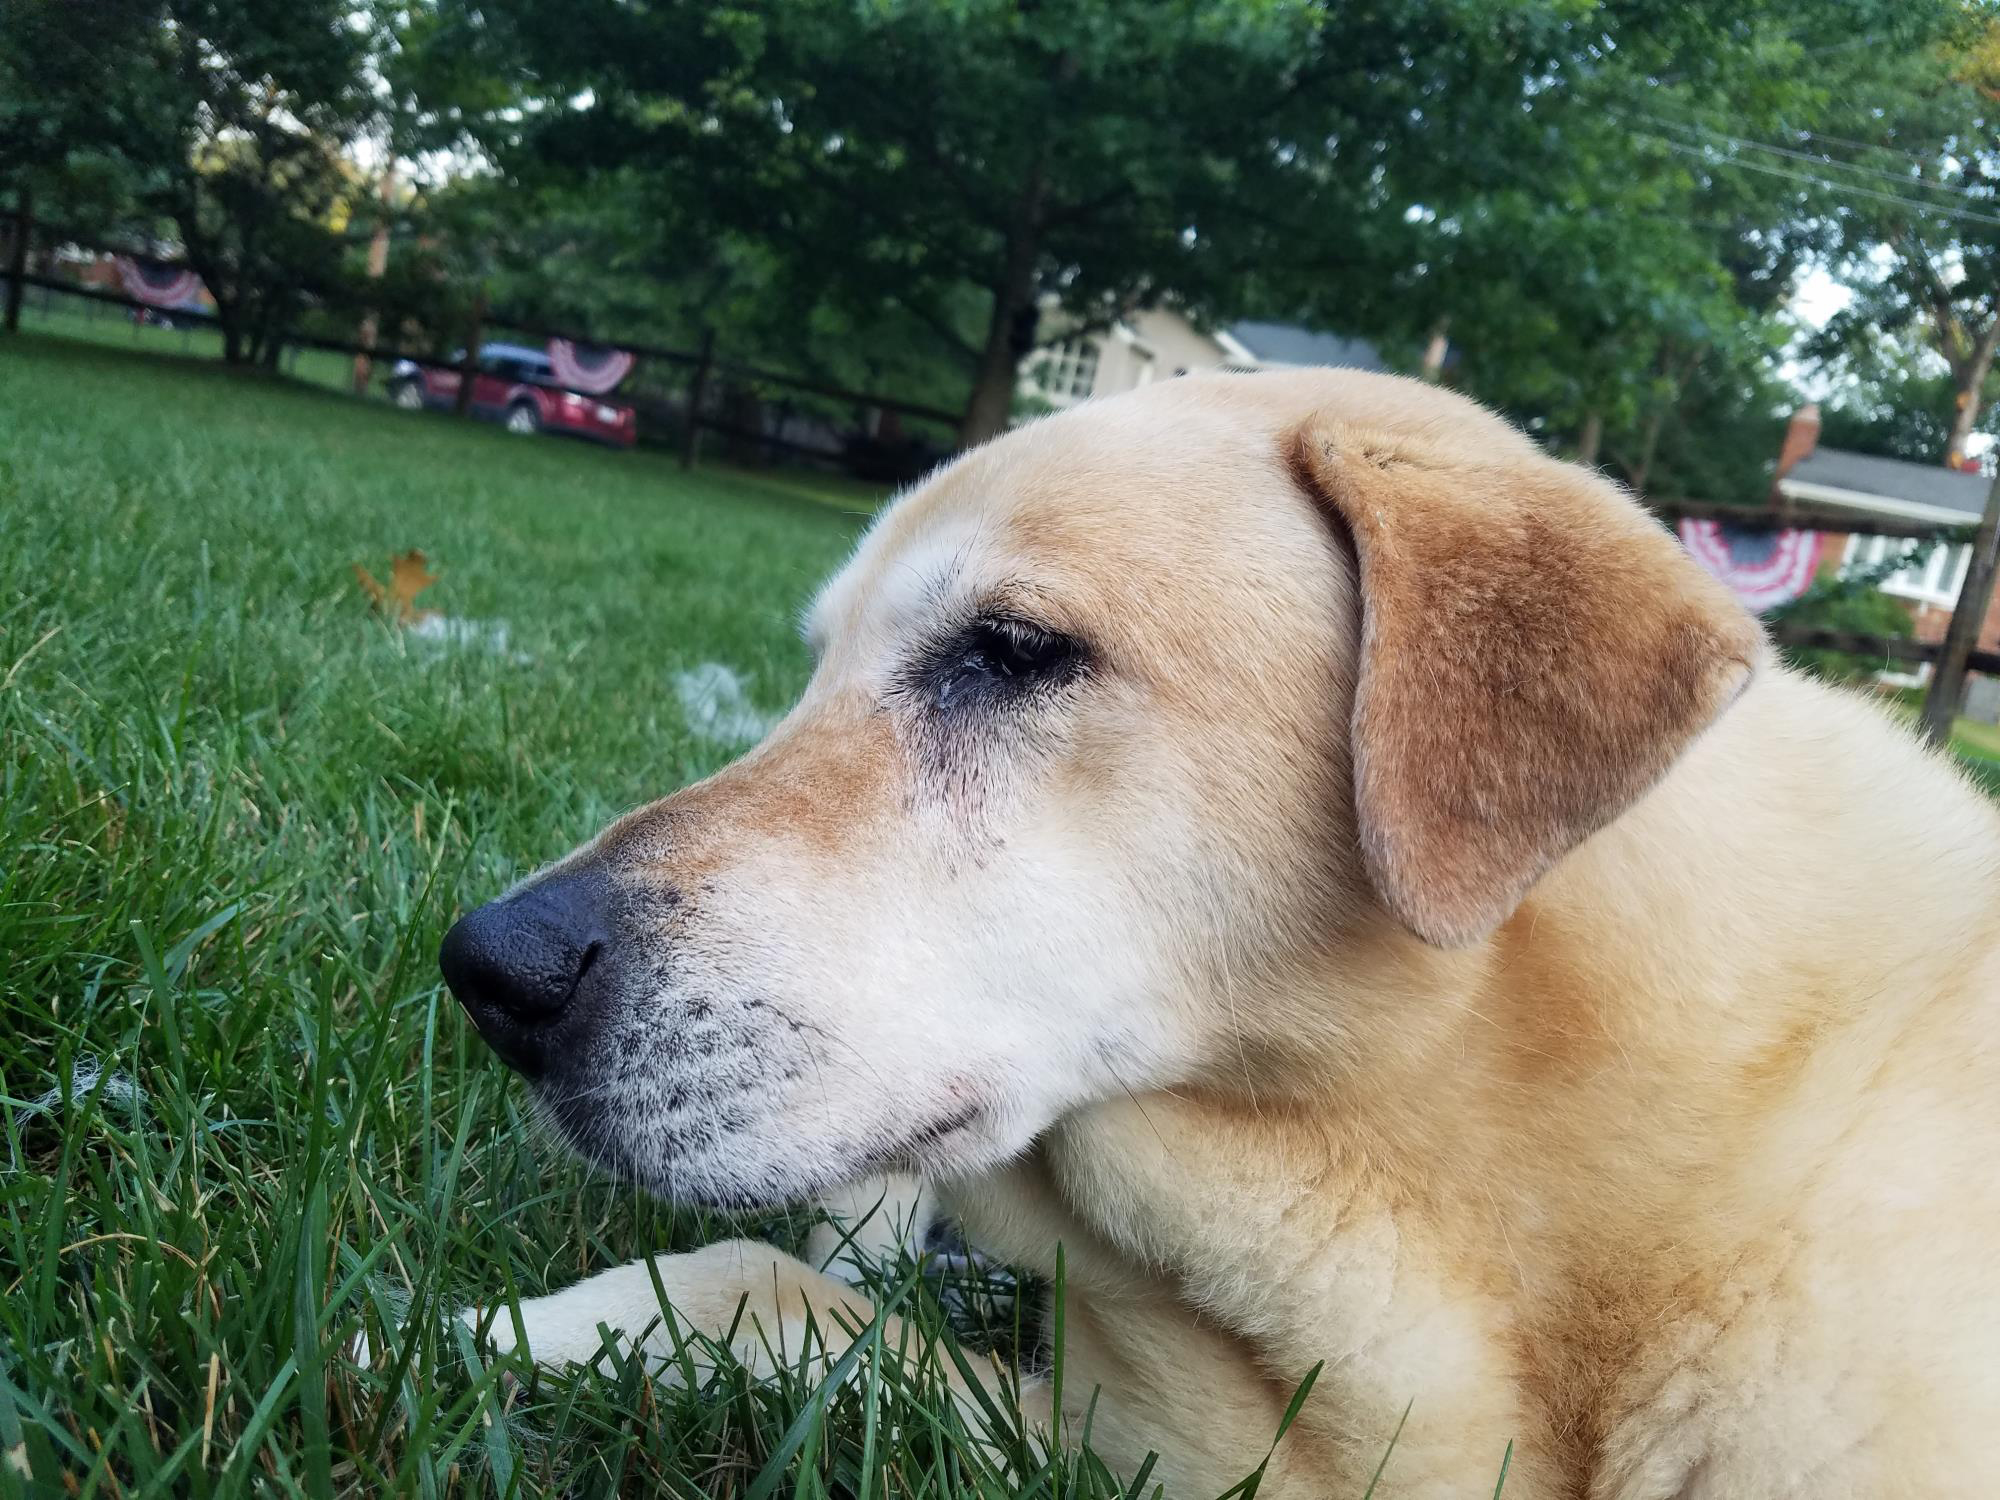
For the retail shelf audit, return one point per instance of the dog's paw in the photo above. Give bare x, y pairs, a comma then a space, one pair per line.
549, 1331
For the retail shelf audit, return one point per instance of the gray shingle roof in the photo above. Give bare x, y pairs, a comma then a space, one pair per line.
1286, 344
1894, 478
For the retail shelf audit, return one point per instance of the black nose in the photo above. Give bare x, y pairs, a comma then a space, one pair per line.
516, 964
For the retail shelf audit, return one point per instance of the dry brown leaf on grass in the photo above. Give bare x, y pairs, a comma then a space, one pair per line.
409, 576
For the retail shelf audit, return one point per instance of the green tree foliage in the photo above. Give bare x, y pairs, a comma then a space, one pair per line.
1623, 287
221, 128
896, 156
1852, 602
1897, 404
1918, 217
62, 111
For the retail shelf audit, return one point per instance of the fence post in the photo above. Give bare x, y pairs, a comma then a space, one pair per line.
17, 258
468, 367
697, 392
1968, 617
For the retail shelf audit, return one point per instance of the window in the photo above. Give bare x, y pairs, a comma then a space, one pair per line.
1935, 580
1069, 370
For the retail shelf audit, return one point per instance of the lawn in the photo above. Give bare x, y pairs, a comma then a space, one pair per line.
243, 1121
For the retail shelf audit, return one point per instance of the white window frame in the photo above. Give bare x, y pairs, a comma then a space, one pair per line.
1066, 373
1939, 582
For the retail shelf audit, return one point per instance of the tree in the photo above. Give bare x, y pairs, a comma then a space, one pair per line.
1621, 281
1100, 157
618, 254
59, 103
1898, 403
225, 126
1920, 227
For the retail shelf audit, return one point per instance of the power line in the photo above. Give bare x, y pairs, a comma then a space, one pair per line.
1841, 140
1743, 143
1706, 154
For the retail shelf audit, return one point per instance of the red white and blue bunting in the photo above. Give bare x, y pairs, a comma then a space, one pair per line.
158, 285
588, 368
1762, 568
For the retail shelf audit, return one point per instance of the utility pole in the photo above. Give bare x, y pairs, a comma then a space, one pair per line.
1947, 687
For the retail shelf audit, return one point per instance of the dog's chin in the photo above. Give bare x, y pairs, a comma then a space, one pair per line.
755, 1175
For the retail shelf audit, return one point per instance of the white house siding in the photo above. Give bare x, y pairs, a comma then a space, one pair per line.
1156, 344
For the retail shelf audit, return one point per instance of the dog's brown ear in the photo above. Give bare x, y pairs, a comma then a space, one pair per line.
1535, 652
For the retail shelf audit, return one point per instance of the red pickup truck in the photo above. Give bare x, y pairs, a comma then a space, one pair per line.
515, 387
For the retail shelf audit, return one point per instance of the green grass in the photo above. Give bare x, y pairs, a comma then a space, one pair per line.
1976, 745
104, 323
236, 814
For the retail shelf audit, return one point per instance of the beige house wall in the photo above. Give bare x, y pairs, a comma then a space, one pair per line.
1156, 344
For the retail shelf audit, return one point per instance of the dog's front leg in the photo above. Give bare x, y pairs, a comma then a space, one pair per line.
787, 1310
781, 1300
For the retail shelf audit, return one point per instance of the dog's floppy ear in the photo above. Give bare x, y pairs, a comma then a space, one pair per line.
1535, 652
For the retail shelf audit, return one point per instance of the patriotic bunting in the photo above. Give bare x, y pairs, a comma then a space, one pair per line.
157, 285
588, 368
1762, 568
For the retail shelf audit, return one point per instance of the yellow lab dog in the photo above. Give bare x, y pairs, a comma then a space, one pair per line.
1353, 883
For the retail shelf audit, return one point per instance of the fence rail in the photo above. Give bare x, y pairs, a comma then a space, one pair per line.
1888, 647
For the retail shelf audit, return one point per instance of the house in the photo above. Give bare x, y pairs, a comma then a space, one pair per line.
1158, 343
1839, 482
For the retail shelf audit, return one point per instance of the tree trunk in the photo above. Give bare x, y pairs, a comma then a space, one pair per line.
991, 403
231, 322
1590, 439
1649, 444
1010, 331
1971, 382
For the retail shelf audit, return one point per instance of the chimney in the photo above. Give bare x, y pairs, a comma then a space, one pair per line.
1801, 437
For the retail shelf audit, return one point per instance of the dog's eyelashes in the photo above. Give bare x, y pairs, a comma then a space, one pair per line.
999, 656
1016, 649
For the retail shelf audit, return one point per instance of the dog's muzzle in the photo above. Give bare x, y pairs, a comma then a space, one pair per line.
519, 965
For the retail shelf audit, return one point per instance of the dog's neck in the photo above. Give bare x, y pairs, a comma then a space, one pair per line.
1598, 1046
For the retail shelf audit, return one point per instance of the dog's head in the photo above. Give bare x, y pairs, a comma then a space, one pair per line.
1116, 723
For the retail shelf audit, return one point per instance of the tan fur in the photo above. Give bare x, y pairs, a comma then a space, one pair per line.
1532, 658
1673, 1173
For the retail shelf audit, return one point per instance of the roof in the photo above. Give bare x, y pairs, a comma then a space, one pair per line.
1861, 477
1288, 344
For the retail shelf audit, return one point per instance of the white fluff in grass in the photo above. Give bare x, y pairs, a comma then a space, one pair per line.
468, 635
717, 707
84, 1076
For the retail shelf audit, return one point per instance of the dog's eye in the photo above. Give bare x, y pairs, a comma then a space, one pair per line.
1002, 654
